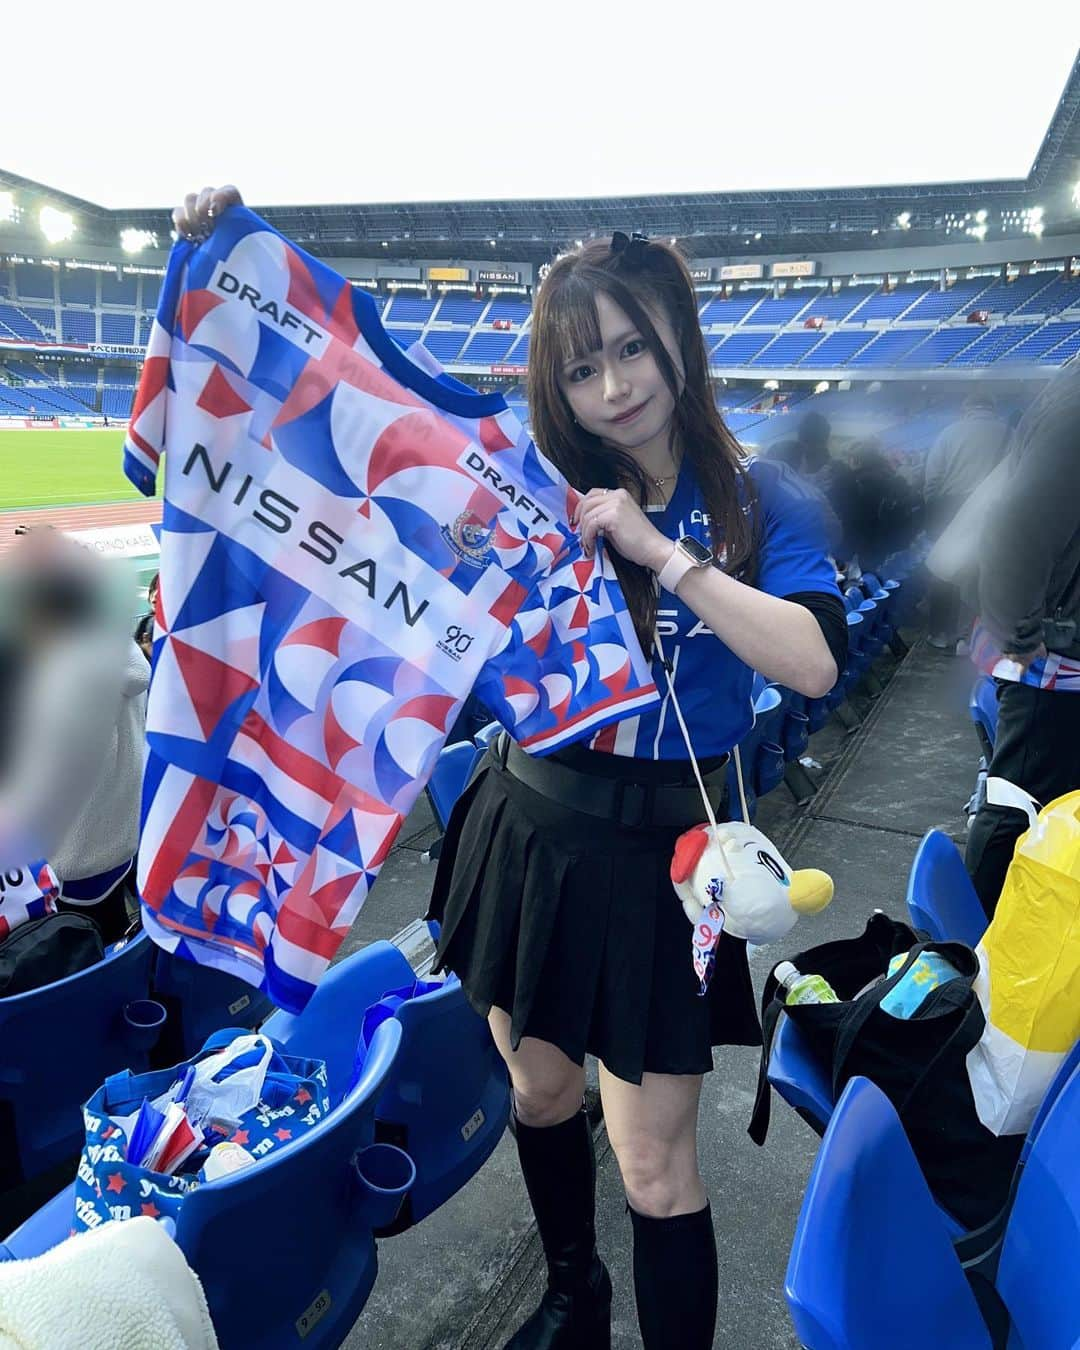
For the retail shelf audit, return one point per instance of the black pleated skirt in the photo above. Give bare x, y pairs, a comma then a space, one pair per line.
570, 924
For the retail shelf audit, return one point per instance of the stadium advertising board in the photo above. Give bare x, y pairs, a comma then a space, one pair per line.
806, 268
701, 274
118, 541
504, 277
448, 274
509, 370
742, 272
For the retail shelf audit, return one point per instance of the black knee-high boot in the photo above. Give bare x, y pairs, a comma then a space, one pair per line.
560, 1172
675, 1280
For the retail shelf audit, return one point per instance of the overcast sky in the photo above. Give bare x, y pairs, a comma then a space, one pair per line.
329, 102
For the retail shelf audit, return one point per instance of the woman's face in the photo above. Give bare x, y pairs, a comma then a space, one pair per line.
618, 392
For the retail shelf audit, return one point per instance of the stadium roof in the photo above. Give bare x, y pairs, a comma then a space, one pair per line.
712, 225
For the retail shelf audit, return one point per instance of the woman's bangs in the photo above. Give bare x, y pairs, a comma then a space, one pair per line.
573, 322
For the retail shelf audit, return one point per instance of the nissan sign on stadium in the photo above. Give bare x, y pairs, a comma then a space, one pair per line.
503, 278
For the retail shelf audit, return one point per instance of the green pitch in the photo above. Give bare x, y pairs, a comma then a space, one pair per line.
62, 468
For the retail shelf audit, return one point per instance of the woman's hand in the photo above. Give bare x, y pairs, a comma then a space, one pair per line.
613, 513
196, 217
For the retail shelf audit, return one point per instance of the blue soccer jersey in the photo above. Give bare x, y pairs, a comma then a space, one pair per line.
351, 541
713, 686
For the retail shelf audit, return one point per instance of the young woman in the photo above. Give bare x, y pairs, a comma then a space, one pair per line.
553, 892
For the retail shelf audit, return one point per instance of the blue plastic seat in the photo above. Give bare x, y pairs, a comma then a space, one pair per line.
798, 1077
983, 709
447, 782
285, 1250
940, 897
486, 735
872, 1262
200, 1001
871, 1256
448, 1098
59, 1044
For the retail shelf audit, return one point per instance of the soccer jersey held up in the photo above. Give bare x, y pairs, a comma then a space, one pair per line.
351, 542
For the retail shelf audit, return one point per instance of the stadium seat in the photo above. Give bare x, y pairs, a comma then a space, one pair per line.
60, 1043
200, 1000
940, 897
872, 1258
285, 1250
452, 771
447, 1099
799, 1078
983, 709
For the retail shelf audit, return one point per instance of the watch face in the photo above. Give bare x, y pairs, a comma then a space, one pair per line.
698, 554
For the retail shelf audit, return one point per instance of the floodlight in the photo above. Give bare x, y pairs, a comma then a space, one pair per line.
1036, 213
7, 206
134, 241
1036, 228
980, 216
822, 387
979, 231
904, 220
772, 384
56, 225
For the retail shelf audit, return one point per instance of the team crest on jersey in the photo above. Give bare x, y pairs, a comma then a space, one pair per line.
469, 538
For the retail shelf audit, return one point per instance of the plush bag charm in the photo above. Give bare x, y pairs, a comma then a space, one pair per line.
730, 876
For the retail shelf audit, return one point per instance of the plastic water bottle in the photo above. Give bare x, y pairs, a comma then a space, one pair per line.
804, 988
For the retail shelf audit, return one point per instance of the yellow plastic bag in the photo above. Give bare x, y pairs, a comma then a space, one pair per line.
1029, 972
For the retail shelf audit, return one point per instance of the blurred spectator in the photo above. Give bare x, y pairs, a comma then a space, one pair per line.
957, 463
71, 771
884, 510
829, 475
1029, 600
144, 632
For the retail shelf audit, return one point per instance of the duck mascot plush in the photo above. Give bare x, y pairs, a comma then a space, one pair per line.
731, 878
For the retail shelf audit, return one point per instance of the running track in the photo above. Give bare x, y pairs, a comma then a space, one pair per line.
79, 517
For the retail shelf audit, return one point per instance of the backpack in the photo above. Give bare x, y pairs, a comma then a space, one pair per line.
44, 950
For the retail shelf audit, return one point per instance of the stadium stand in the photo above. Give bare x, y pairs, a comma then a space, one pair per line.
486, 347
732, 310
78, 287
513, 307
445, 344
458, 309
78, 325
34, 282
117, 327
119, 290
738, 349
892, 304
407, 308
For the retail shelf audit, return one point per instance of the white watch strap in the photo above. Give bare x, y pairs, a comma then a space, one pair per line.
674, 570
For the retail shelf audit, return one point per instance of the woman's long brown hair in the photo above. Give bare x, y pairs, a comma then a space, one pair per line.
647, 276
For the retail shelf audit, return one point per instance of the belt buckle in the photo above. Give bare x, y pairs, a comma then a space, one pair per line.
632, 804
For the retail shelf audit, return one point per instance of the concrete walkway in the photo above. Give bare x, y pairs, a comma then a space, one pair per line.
467, 1276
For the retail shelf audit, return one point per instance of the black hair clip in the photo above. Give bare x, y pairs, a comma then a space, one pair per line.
631, 248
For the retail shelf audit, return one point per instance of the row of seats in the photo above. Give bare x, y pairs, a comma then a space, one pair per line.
873, 1253
960, 345
1044, 293
34, 282
425, 1068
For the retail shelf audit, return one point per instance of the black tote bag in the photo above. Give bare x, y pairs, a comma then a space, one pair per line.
919, 1062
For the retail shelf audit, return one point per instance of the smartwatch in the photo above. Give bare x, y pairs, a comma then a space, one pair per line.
688, 554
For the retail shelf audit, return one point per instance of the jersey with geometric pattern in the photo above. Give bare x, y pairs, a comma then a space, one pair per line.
351, 542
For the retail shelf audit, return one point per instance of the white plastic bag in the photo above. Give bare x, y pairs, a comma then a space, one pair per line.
229, 1082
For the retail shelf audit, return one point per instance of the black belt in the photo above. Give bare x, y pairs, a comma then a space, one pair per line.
628, 803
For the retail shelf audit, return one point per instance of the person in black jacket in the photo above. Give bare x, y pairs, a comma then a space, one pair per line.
1029, 601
